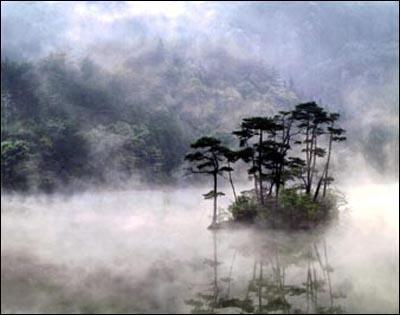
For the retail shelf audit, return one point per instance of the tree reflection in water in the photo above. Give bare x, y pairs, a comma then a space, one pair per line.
287, 277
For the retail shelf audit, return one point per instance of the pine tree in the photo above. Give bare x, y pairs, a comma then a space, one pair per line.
207, 158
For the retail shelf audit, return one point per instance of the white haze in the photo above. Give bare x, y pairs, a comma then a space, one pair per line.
147, 251
342, 54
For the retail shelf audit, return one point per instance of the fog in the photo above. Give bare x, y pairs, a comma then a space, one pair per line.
149, 251
99, 104
157, 55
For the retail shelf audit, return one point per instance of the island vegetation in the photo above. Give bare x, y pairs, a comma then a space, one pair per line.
287, 157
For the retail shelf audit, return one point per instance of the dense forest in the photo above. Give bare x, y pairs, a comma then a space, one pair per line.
64, 122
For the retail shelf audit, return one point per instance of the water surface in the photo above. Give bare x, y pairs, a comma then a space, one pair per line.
149, 251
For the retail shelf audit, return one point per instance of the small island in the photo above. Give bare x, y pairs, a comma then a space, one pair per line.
287, 157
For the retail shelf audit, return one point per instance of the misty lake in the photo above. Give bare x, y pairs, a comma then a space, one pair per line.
200, 157
150, 251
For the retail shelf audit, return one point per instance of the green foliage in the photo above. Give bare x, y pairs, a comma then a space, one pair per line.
265, 143
211, 194
244, 209
277, 303
207, 157
135, 120
80, 127
298, 206
63, 153
245, 304
138, 119
13, 155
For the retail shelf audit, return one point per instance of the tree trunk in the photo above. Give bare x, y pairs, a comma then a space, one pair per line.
324, 175
214, 221
255, 182
327, 164
256, 187
310, 168
314, 157
277, 190
282, 151
231, 181
260, 168
319, 185
270, 188
308, 153
280, 178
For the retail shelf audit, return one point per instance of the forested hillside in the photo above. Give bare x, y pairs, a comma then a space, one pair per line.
66, 121
126, 87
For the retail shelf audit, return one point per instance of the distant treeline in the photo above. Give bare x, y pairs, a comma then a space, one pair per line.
66, 123
61, 125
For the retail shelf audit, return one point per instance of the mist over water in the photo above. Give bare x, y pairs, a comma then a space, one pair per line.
149, 251
100, 102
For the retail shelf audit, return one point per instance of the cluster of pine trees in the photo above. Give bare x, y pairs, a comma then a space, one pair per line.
291, 149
